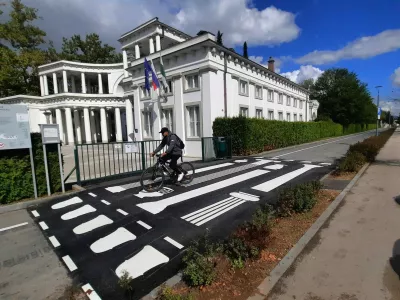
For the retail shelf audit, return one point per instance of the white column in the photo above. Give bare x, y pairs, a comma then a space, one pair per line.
50, 116
103, 123
118, 128
55, 86
100, 83
129, 120
125, 60
59, 121
88, 133
93, 126
73, 84
77, 121
158, 43
151, 45
137, 52
65, 81
179, 125
98, 128
41, 86
70, 127
83, 83
46, 87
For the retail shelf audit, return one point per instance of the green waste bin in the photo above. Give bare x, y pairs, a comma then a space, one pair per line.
221, 147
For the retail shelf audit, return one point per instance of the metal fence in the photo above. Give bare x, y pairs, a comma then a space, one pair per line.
102, 161
216, 148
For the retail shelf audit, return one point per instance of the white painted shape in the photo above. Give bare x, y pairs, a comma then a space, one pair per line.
288, 160
240, 161
215, 211
219, 213
15, 226
43, 225
205, 169
148, 227
70, 264
173, 242
68, 202
122, 212
86, 209
144, 194
90, 292
214, 207
118, 237
99, 221
105, 202
35, 213
274, 167
325, 164
306, 162
142, 262
244, 196
115, 189
54, 241
261, 162
207, 207
278, 181
93, 195
158, 206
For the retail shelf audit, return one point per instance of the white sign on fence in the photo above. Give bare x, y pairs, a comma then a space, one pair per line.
131, 148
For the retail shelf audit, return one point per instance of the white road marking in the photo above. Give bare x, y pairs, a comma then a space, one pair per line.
148, 227
90, 292
122, 212
158, 206
306, 162
105, 202
325, 164
274, 167
35, 213
15, 226
162, 192
118, 237
142, 262
173, 242
43, 225
205, 169
278, 181
68, 202
99, 221
240, 161
288, 160
70, 264
86, 209
115, 189
219, 213
93, 195
54, 241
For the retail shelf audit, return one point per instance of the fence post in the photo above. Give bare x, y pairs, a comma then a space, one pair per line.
202, 149
78, 174
143, 156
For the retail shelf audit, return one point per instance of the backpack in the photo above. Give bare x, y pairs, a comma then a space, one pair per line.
181, 144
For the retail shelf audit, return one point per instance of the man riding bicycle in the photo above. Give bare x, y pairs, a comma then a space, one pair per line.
174, 151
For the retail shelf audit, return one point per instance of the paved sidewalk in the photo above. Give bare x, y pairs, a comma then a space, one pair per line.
349, 258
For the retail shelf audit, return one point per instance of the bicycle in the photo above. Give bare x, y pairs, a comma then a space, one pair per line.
158, 172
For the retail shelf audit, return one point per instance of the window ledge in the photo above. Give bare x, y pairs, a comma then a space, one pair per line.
145, 98
193, 139
245, 95
259, 98
191, 90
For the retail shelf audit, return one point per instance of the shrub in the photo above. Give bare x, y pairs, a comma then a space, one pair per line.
167, 294
16, 174
238, 251
369, 150
298, 199
352, 162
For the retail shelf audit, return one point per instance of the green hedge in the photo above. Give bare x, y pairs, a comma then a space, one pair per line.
16, 174
251, 135
354, 128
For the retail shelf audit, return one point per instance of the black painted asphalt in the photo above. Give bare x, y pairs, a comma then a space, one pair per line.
157, 228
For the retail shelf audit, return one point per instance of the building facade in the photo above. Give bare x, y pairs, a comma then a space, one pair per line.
94, 103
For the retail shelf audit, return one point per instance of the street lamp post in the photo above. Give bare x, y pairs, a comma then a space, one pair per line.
377, 119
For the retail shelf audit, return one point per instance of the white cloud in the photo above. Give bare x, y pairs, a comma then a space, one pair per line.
396, 77
365, 47
264, 62
305, 72
393, 107
239, 20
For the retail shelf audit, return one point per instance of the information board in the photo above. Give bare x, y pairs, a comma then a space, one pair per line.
131, 148
50, 134
14, 127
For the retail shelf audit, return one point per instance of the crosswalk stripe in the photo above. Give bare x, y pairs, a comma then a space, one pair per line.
141, 223
72, 201
86, 209
70, 264
93, 195
173, 242
220, 213
187, 217
122, 212
207, 214
97, 222
105, 202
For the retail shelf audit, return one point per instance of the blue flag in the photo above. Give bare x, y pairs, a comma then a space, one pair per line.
148, 68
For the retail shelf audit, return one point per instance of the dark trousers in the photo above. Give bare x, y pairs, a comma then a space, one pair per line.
173, 164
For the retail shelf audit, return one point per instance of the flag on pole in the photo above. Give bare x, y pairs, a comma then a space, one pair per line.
163, 76
146, 79
149, 68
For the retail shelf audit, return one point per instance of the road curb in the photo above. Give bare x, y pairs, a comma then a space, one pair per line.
277, 273
26, 204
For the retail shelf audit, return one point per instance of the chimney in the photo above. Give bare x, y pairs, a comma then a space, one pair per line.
271, 64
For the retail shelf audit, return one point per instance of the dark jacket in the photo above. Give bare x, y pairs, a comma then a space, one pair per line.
172, 141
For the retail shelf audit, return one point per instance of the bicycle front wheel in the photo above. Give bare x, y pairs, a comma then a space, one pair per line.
152, 180
187, 169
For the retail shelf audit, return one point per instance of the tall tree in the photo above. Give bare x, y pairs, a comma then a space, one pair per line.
308, 84
245, 53
88, 50
219, 38
19, 52
343, 98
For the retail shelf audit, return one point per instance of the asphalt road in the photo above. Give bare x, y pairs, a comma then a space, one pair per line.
114, 227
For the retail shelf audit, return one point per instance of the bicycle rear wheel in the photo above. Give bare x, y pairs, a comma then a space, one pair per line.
187, 169
152, 180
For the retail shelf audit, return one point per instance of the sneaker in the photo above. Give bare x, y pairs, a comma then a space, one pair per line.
180, 177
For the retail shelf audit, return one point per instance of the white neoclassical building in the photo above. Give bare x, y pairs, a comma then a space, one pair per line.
100, 103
